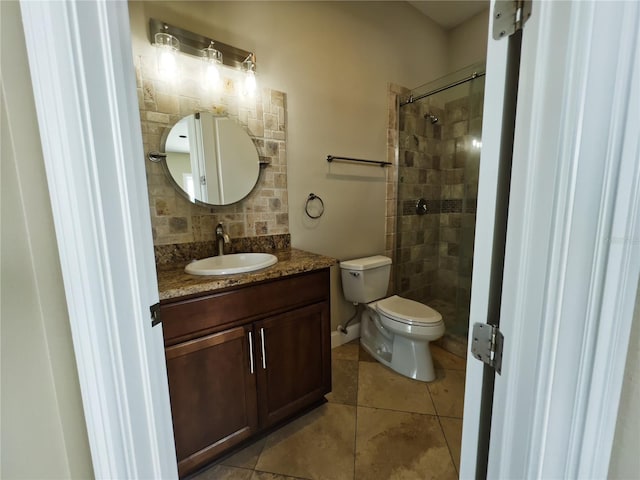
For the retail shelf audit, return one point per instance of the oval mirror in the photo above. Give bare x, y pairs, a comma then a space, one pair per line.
211, 159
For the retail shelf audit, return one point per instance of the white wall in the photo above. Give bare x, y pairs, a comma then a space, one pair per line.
467, 42
43, 429
625, 461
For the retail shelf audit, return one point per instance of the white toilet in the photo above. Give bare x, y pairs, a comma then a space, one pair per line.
396, 331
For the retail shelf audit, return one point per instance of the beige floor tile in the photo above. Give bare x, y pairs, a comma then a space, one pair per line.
381, 387
318, 446
443, 360
365, 356
344, 382
348, 351
447, 392
223, 472
452, 428
247, 457
400, 446
272, 476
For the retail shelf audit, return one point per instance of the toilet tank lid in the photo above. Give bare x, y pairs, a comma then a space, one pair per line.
365, 263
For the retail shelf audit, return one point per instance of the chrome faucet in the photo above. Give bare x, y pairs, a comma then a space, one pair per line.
221, 238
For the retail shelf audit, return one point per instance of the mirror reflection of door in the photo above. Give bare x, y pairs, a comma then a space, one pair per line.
211, 159
178, 156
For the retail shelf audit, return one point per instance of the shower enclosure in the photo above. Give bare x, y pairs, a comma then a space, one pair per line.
440, 126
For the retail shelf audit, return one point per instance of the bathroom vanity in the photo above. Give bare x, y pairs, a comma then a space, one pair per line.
244, 352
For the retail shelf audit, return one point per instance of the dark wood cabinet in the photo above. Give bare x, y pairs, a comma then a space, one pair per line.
243, 360
213, 395
295, 368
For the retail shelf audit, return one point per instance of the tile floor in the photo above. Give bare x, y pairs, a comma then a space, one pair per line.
377, 424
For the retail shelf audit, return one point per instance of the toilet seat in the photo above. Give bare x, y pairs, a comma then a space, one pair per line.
408, 311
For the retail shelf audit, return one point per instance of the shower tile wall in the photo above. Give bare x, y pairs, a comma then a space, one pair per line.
439, 162
419, 176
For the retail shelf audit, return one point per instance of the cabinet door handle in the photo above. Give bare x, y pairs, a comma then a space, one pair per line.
264, 354
251, 351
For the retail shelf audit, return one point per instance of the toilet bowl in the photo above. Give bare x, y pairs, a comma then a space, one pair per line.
395, 331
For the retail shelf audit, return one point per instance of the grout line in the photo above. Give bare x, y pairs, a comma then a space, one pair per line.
450, 416
453, 461
261, 451
355, 431
397, 411
435, 409
282, 475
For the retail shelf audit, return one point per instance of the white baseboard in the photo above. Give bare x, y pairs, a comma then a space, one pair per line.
338, 338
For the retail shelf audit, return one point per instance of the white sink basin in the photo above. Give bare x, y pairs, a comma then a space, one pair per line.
230, 264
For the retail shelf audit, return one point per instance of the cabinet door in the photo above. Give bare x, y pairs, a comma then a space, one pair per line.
294, 368
212, 386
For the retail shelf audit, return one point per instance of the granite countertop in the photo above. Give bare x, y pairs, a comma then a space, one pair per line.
174, 283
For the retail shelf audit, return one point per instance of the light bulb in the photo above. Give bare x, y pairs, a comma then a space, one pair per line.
212, 76
250, 83
249, 66
167, 47
167, 62
211, 62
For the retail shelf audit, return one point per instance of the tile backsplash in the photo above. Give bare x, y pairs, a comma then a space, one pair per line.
162, 103
186, 252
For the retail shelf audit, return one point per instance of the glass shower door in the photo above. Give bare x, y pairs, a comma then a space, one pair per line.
439, 154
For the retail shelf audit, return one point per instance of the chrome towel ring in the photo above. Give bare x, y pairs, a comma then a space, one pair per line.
311, 198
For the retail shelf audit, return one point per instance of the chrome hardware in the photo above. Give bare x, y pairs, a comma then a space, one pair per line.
221, 238
264, 354
251, 352
320, 210
510, 16
203, 180
354, 274
156, 156
331, 158
487, 345
421, 206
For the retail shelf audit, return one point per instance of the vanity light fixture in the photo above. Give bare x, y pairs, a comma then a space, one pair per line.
211, 63
210, 51
249, 66
167, 46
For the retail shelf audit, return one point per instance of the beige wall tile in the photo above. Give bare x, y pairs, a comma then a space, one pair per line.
173, 218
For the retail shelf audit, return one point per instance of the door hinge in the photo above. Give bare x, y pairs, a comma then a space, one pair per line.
486, 345
155, 314
509, 16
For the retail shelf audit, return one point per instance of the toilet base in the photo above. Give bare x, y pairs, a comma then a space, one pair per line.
409, 358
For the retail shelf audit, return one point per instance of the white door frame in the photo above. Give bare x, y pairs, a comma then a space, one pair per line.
572, 259
84, 87
557, 382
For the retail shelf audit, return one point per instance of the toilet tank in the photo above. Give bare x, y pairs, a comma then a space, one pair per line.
365, 279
